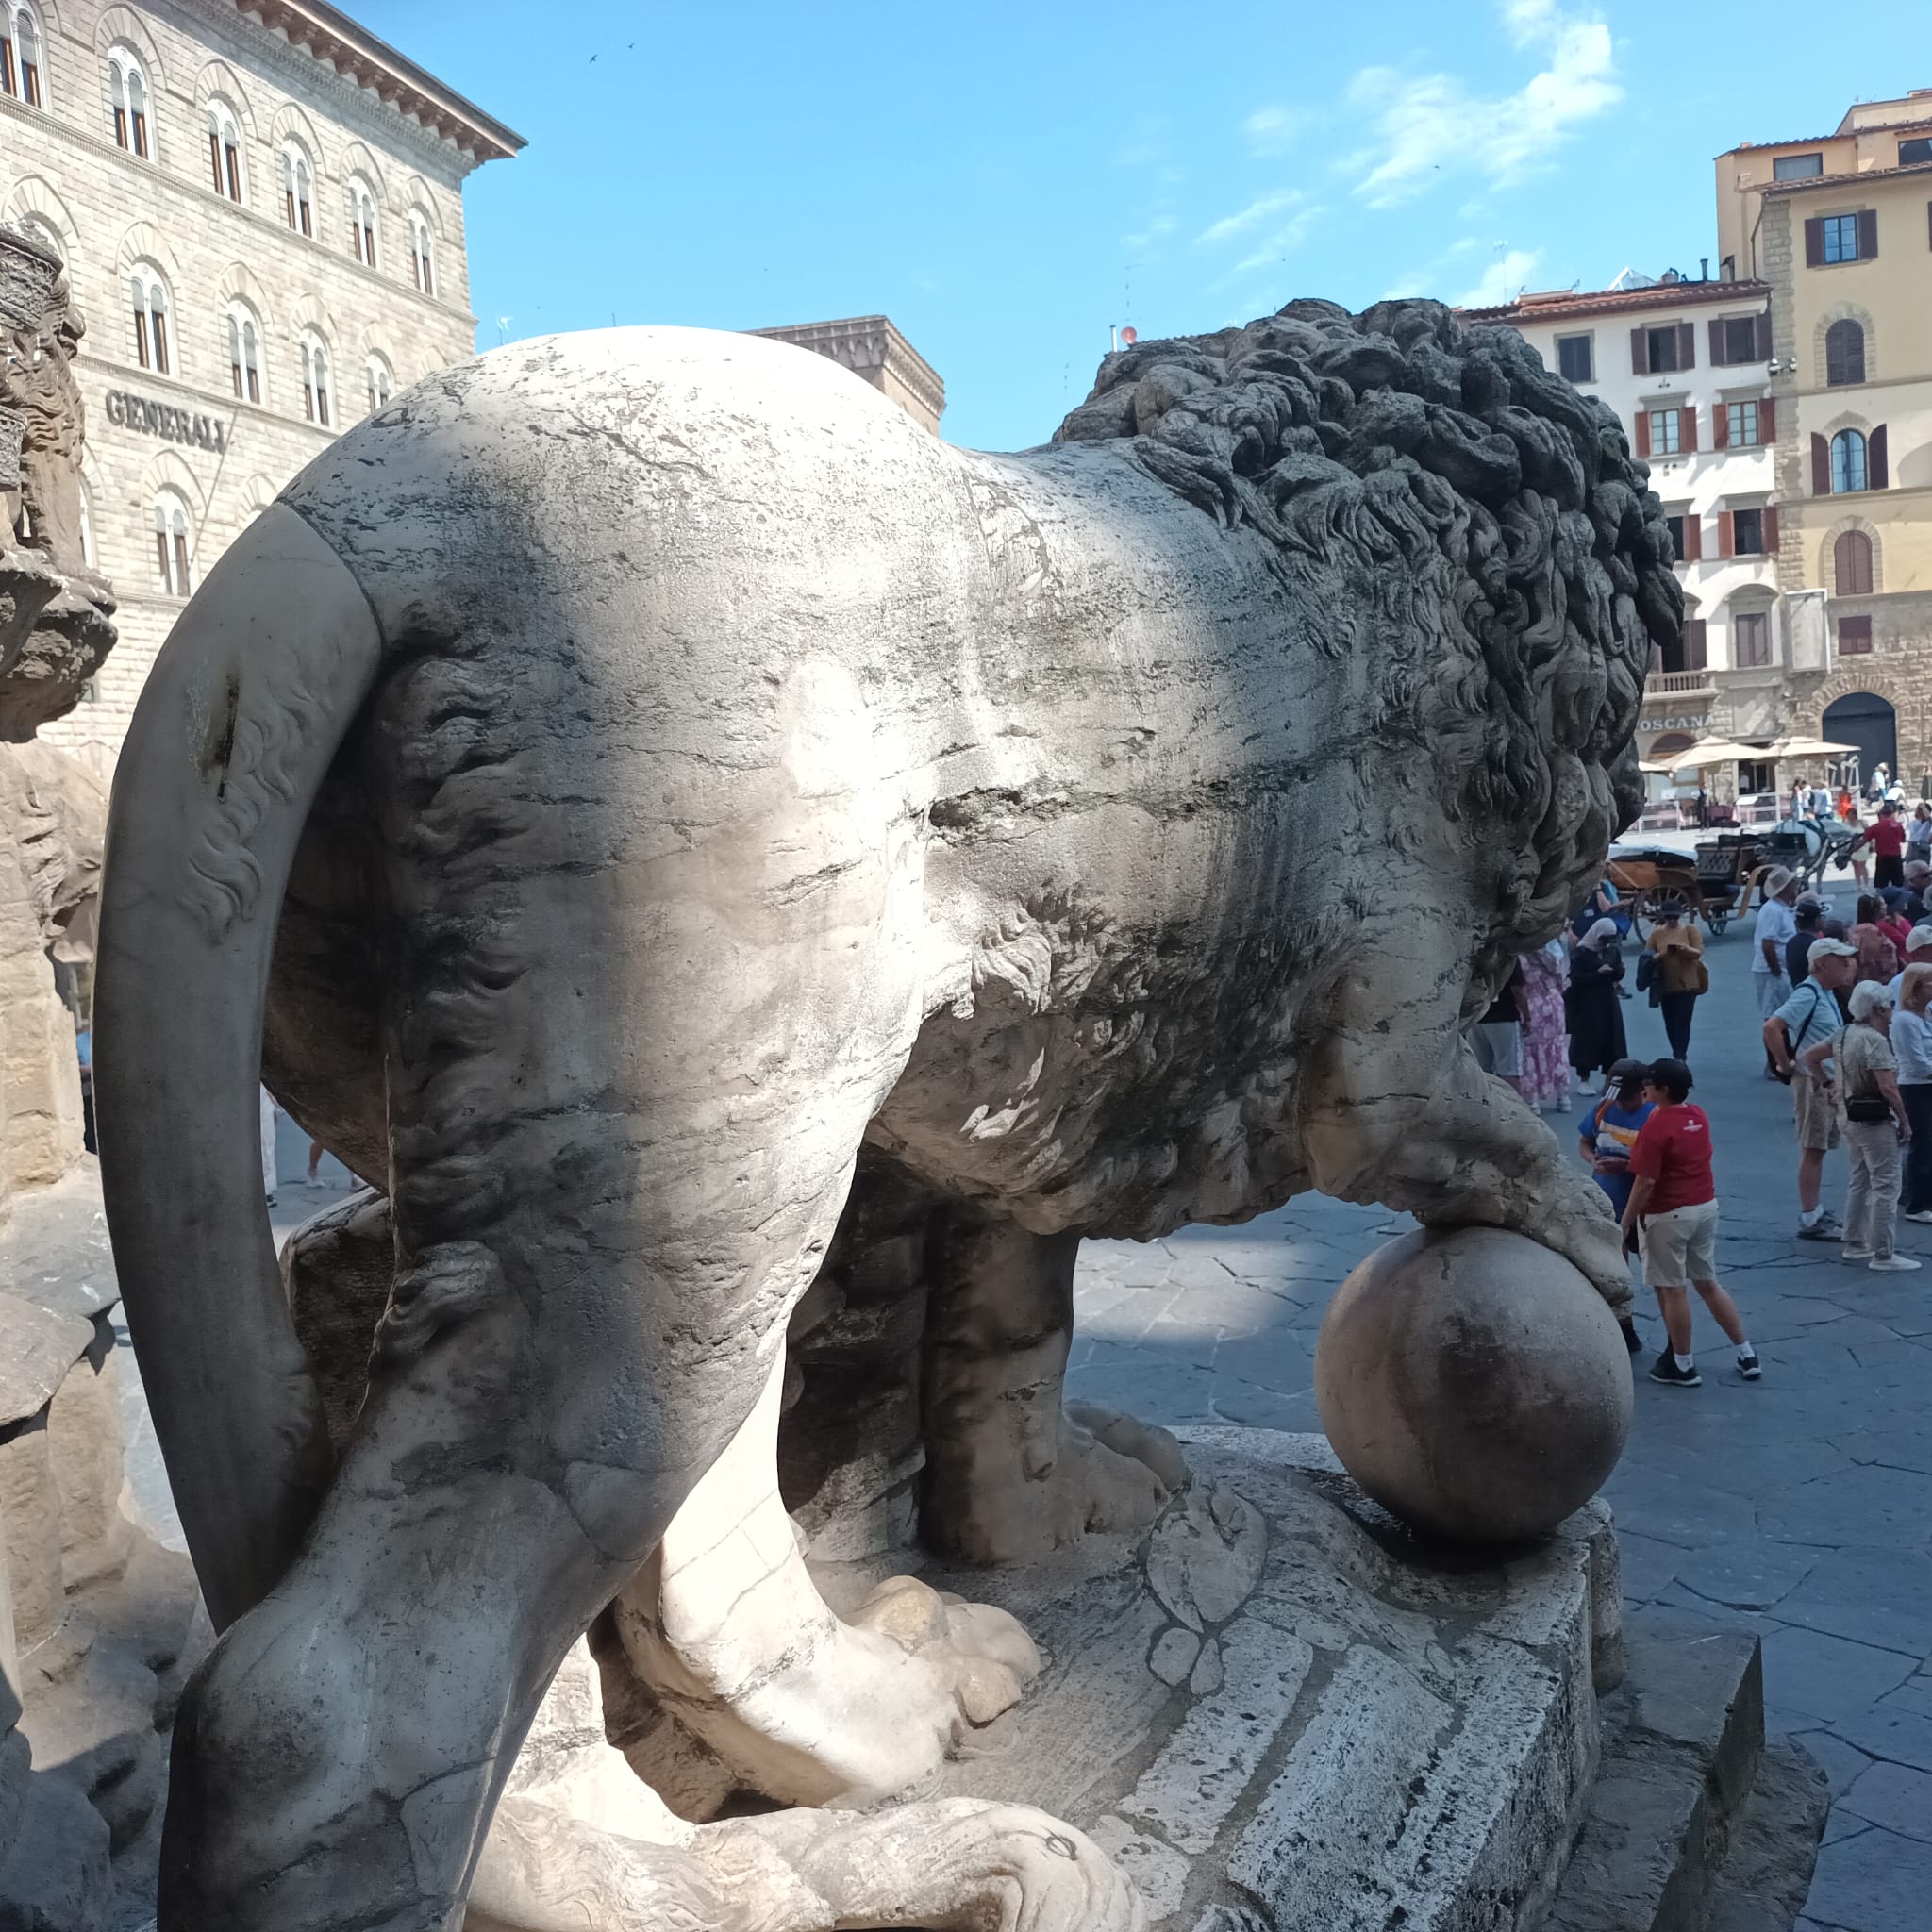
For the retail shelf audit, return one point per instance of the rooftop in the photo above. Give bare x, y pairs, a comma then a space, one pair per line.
1840, 181
1558, 303
329, 36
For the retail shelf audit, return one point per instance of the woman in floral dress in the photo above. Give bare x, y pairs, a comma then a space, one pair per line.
1545, 1031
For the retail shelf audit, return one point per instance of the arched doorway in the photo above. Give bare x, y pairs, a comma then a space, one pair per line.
1868, 721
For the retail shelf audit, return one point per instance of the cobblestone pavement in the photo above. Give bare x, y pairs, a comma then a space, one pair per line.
1799, 1507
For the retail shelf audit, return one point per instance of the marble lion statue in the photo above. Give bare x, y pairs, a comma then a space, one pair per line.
637, 773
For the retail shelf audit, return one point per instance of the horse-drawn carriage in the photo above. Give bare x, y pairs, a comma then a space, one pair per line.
1725, 877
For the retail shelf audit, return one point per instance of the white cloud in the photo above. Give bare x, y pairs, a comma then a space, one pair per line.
1430, 123
1258, 211
1504, 279
1274, 130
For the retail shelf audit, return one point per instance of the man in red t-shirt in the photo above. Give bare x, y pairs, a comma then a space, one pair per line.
1887, 839
1673, 1203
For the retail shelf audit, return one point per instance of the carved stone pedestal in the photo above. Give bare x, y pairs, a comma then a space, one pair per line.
1289, 1713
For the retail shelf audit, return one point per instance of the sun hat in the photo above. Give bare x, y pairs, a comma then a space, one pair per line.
1867, 996
1776, 880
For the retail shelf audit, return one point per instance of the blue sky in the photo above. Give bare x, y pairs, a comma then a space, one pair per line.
1006, 180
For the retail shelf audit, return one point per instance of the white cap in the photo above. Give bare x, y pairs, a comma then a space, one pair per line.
1828, 949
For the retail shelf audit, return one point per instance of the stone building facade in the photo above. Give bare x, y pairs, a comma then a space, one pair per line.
261, 216
1841, 228
877, 354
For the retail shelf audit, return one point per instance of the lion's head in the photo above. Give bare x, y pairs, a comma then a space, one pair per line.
1515, 568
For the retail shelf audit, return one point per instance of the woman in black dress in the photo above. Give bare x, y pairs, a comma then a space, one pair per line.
1595, 1008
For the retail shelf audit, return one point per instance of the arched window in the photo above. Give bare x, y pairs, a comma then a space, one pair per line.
362, 220
1847, 461
1850, 564
244, 351
422, 252
1844, 354
316, 397
298, 188
151, 306
20, 54
379, 380
127, 92
224, 150
174, 545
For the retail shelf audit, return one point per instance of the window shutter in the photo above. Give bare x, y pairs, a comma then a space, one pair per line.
1693, 538
1687, 441
1766, 420
1643, 432
1771, 529
1875, 473
1868, 234
1761, 333
1687, 345
1814, 241
1727, 534
1694, 644
1820, 465
1720, 427
1718, 358
1640, 354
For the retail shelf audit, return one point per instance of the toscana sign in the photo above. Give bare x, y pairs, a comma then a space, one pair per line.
129, 411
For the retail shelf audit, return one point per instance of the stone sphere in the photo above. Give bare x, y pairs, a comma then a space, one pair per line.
1473, 1383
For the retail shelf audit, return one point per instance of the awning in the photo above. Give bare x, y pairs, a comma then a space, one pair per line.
1802, 748
1713, 751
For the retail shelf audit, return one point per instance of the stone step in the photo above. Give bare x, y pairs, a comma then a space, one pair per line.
1691, 1824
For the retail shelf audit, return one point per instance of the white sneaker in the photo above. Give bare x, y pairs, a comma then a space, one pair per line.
1848, 1253
1894, 1264
1917, 1214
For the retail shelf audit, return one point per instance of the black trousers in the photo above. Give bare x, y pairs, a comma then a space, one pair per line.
1677, 1009
1915, 1197
1887, 872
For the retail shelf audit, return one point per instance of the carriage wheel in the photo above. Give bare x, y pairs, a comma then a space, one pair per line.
1717, 917
1643, 911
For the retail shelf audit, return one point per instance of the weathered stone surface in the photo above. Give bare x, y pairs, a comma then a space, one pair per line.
1473, 1383
55, 1252
84, 1442
30, 1520
56, 1877
1773, 1844
38, 1351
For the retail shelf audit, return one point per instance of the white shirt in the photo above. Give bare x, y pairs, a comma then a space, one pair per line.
1776, 921
1911, 1041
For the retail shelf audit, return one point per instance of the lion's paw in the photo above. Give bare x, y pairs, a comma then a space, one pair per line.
982, 1657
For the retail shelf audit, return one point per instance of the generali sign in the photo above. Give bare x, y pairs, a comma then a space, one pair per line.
126, 410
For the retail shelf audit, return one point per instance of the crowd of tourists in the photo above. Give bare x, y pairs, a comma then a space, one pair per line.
1846, 1015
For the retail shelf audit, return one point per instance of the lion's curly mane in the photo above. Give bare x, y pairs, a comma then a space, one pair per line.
1518, 569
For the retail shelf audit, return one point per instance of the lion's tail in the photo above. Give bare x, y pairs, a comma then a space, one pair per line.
230, 742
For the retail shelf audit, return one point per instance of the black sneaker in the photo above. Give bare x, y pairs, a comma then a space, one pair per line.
1665, 1370
1747, 1367
1825, 1229
1632, 1341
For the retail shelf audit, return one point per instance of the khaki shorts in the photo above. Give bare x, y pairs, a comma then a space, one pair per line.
1820, 1114
1680, 1247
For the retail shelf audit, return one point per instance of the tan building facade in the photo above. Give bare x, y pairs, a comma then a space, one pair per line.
261, 216
1841, 228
